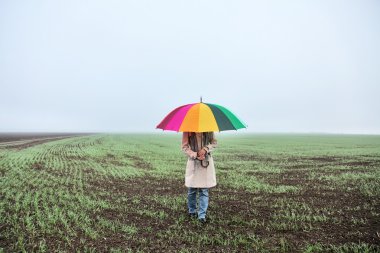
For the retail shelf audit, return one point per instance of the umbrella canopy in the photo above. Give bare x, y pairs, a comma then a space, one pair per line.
201, 117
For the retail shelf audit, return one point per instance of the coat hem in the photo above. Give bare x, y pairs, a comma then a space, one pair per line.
200, 186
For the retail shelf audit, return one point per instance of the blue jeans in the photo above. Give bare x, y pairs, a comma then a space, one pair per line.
192, 201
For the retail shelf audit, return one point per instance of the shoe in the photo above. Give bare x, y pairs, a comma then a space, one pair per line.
193, 215
202, 220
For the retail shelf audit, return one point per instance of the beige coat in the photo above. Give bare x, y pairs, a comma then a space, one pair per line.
196, 176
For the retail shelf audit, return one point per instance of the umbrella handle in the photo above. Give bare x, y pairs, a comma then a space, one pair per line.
204, 166
207, 163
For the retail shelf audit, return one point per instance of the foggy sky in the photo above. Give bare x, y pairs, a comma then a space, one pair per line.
120, 66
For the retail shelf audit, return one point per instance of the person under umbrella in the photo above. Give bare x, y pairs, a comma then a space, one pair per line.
200, 171
198, 122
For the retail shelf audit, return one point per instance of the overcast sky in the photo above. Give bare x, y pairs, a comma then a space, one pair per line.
281, 66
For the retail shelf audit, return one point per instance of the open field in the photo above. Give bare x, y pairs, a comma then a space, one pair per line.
125, 193
24, 140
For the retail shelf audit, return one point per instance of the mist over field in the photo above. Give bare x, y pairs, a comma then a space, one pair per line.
121, 66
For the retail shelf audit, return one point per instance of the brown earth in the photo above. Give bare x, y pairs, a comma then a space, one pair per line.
25, 140
230, 209
225, 205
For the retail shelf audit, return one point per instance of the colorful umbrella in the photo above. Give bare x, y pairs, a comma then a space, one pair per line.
201, 117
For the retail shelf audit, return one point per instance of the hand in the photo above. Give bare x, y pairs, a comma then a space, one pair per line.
201, 157
202, 152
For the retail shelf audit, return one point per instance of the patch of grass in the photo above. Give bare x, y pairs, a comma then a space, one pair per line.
343, 248
125, 193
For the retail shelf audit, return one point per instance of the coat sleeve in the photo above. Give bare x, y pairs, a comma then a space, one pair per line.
214, 143
186, 147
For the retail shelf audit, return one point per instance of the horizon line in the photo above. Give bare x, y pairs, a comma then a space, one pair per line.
174, 132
